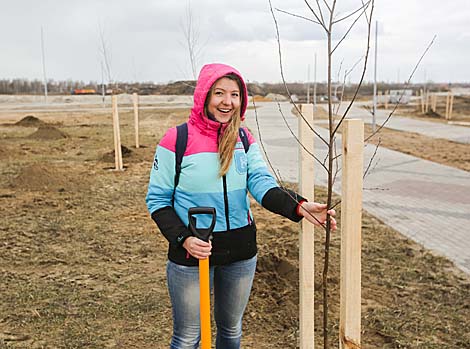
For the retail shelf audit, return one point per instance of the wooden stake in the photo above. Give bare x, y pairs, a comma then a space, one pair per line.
447, 105
426, 108
422, 101
135, 98
451, 106
117, 136
351, 215
306, 245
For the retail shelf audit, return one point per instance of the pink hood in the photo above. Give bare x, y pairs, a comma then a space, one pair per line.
209, 74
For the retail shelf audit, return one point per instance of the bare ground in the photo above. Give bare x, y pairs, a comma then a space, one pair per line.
83, 265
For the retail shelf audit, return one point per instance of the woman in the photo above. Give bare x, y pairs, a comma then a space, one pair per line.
217, 170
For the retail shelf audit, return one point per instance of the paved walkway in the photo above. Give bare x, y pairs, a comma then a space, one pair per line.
425, 201
454, 133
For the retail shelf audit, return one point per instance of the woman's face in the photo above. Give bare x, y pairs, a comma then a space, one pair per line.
224, 100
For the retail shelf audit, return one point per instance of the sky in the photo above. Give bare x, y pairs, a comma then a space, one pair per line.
145, 39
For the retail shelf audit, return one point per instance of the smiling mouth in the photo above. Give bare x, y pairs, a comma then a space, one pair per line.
224, 111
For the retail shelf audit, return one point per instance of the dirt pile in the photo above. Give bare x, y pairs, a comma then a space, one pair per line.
30, 121
109, 157
47, 132
40, 177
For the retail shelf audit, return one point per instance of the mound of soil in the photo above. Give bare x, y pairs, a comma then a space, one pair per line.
30, 121
109, 157
47, 132
44, 177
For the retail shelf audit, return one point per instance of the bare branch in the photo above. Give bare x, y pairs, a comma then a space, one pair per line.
284, 80
346, 73
406, 85
352, 26
363, 7
327, 6
320, 11
297, 202
105, 54
298, 16
338, 168
365, 13
191, 36
371, 159
366, 56
322, 23
298, 140
276, 173
260, 138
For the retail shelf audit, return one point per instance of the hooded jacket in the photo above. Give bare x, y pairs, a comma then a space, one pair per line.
200, 185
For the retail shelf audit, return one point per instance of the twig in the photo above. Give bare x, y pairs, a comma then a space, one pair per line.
276, 173
350, 28
406, 85
366, 56
319, 10
371, 159
297, 139
353, 13
284, 80
322, 23
298, 16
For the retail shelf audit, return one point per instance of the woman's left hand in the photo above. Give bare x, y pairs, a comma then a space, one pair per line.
319, 211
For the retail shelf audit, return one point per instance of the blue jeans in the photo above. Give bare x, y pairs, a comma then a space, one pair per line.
231, 286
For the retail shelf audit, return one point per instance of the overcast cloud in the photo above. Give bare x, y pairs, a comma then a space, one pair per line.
145, 39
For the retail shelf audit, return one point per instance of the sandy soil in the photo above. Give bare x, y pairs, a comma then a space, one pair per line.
83, 265
460, 110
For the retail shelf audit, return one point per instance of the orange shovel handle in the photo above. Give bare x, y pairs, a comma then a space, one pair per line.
204, 303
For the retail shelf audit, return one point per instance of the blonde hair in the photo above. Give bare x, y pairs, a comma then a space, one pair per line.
228, 139
227, 143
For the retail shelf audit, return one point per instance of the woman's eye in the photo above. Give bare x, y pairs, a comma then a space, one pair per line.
234, 94
218, 93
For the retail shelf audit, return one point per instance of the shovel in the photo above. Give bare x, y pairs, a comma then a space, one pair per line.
204, 282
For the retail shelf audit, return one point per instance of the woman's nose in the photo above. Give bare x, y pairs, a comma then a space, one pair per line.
227, 100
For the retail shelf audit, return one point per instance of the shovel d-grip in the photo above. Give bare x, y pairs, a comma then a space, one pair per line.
203, 234
204, 282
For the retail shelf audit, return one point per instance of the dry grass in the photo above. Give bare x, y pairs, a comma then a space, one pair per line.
83, 267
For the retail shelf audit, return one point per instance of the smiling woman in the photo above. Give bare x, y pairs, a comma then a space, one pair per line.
216, 169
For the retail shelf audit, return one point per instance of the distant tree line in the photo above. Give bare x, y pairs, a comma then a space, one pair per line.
36, 87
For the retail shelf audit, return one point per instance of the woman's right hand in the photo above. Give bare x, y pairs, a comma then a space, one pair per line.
197, 248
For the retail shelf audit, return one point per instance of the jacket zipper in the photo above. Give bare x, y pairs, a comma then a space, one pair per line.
224, 182
226, 202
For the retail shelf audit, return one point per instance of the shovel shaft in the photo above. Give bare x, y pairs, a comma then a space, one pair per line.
204, 303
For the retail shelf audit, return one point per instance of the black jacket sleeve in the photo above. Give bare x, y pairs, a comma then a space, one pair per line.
171, 225
282, 201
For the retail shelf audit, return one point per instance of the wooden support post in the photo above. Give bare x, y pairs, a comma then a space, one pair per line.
135, 98
387, 96
117, 137
306, 245
447, 105
451, 105
426, 108
422, 101
351, 215
433, 102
